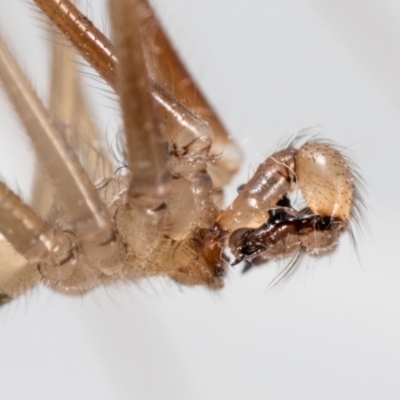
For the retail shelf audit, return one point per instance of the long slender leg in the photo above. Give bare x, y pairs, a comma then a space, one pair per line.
30, 236
26, 240
86, 38
100, 53
70, 111
168, 70
147, 154
149, 186
87, 214
17, 276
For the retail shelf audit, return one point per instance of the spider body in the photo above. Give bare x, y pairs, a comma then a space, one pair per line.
163, 218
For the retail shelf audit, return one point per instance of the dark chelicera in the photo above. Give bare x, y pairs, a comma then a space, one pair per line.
249, 243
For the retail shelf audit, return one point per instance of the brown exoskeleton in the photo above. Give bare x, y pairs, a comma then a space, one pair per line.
163, 217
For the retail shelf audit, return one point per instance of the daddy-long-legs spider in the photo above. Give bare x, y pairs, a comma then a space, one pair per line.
331, 329
164, 216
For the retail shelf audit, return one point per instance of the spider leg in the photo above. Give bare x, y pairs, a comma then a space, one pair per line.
17, 276
168, 70
87, 214
25, 241
86, 38
161, 59
31, 237
147, 155
93, 239
69, 109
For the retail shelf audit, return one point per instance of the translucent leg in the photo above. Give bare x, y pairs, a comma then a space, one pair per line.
161, 58
86, 212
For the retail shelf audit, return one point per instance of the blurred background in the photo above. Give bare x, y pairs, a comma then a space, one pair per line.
333, 331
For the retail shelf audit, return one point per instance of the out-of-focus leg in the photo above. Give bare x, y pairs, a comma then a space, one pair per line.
86, 213
162, 59
170, 73
70, 112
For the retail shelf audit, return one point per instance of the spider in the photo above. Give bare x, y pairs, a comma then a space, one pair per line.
160, 214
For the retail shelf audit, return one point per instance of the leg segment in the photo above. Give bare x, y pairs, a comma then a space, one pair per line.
87, 214
147, 154
69, 109
30, 236
161, 59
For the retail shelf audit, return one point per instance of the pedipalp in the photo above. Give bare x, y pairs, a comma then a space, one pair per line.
328, 185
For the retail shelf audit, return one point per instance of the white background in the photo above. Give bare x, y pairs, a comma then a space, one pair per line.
270, 68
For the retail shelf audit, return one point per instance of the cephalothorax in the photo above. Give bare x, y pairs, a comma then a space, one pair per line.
164, 216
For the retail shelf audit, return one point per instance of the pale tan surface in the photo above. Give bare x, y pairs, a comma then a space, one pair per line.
326, 180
